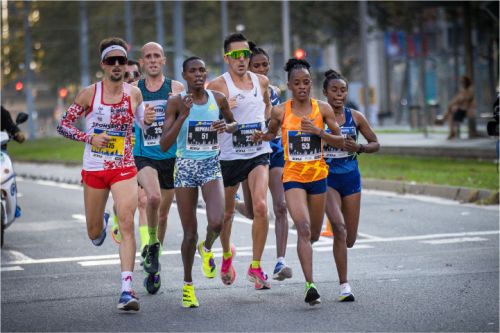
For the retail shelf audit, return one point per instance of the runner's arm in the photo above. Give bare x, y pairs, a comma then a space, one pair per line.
177, 87
264, 83
335, 139
80, 105
364, 127
230, 124
144, 114
174, 119
273, 127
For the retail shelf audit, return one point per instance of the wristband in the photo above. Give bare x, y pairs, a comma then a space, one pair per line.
361, 149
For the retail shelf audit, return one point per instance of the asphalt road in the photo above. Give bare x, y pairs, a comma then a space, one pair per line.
420, 264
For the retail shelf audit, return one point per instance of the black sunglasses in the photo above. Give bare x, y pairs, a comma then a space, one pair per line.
132, 75
111, 61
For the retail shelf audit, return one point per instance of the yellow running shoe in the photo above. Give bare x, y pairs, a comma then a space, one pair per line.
208, 263
188, 297
115, 231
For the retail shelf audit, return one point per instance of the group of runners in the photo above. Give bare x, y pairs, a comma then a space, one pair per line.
215, 137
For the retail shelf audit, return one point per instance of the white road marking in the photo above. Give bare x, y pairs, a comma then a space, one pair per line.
17, 256
431, 236
101, 262
455, 240
11, 268
60, 185
329, 248
79, 218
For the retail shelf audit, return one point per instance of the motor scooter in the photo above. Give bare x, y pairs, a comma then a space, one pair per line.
10, 210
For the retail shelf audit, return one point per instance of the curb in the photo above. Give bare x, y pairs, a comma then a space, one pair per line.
461, 194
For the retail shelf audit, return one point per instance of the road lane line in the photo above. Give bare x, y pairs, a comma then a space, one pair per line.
455, 240
329, 248
11, 268
430, 236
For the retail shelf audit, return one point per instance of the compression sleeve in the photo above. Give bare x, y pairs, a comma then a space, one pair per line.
67, 128
139, 116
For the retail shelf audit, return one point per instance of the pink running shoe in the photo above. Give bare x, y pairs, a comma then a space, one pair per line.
260, 278
227, 272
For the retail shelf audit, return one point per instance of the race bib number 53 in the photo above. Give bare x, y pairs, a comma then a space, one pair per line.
303, 146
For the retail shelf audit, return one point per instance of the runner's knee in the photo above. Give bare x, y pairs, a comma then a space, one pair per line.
154, 200
260, 208
303, 230
279, 209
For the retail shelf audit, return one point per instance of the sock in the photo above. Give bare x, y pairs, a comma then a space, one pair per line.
144, 235
227, 255
345, 288
153, 235
126, 281
255, 263
282, 260
115, 220
188, 283
309, 285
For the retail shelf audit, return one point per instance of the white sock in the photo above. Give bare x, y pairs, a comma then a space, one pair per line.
126, 281
205, 249
345, 288
188, 283
282, 260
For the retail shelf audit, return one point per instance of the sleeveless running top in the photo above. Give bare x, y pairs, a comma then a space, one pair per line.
196, 140
117, 121
147, 143
250, 116
338, 160
304, 161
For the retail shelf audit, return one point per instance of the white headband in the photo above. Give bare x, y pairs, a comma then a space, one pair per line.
112, 48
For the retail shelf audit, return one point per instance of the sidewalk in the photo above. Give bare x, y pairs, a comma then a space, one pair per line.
409, 143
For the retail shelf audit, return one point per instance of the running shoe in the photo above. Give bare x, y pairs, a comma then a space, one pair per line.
99, 240
312, 295
282, 271
143, 254
115, 231
152, 283
128, 301
208, 264
188, 297
345, 294
152, 262
257, 276
227, 272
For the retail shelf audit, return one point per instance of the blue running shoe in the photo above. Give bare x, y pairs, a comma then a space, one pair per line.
99, 240
128, 301
281, 271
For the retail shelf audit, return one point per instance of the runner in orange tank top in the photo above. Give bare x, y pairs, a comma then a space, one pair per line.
304, 177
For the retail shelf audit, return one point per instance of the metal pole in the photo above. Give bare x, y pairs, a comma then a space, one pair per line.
285, 27
84, 46
179, 39
129, 24
28, 57
363, 10
224, 25
160, 35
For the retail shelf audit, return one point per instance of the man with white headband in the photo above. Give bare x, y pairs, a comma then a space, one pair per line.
110, 107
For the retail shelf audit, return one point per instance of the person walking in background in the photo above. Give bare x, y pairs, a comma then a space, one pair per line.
302, 120
344, 180
259, 64
193, 121
155, 167
240, 157
109, 107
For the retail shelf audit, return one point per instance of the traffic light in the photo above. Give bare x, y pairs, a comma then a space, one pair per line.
299, 53
63, 92
19, 85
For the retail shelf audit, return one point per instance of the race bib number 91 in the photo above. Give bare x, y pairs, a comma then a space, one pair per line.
115, 148
303, 147
242, 138
201, 137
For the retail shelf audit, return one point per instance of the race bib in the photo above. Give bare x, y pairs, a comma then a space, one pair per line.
331, 152
201, 137
152, 135
115, 148
303, 147
242, 138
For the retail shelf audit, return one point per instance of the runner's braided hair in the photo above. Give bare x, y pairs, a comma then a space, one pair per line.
256, 50
293, 63
333, 75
